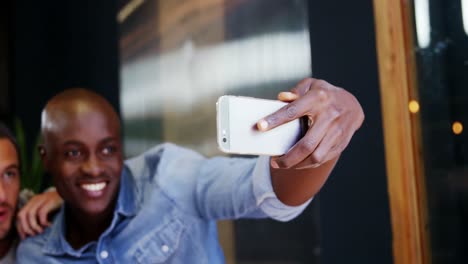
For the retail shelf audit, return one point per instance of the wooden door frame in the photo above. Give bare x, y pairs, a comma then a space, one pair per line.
403, 149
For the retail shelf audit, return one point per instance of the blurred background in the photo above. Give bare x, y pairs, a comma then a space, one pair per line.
164, 63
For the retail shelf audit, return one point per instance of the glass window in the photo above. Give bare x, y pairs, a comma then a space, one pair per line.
178, 57
442, 81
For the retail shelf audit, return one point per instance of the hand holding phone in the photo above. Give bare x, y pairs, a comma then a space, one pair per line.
237, 132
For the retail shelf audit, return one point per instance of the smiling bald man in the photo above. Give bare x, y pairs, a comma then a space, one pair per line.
162, 206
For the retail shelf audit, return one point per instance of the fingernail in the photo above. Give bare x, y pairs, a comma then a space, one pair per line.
287, 96
262, 125
274, 164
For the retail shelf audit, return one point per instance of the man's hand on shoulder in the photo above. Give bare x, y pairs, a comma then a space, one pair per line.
33, 217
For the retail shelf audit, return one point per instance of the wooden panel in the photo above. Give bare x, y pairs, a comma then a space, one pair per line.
402, 135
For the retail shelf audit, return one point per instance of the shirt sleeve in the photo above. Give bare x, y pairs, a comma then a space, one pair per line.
217, 188
265, 196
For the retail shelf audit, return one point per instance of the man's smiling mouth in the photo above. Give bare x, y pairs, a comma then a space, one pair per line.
94, 187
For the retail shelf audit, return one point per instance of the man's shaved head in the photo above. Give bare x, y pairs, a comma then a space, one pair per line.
69, 105
82, 151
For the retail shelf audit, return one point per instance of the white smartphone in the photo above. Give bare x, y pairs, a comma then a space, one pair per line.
237, 131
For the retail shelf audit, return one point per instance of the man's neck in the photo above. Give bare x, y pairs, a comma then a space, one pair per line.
83, 228
6, 243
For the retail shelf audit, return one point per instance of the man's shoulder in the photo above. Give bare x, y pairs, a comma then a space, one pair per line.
32, 247
163, 150
166, 159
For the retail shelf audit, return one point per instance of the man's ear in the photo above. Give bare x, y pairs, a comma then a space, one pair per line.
42, 152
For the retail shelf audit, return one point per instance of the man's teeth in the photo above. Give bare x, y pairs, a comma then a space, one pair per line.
94, 187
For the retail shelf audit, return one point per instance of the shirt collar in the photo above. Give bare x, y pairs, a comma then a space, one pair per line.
57, 245
127, 202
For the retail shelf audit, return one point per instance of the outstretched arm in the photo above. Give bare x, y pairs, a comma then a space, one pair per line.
334, 116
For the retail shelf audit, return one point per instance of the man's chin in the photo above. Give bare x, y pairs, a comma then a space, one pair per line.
4, 231
102, 206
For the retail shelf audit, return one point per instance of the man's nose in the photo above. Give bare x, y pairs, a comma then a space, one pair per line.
92, 166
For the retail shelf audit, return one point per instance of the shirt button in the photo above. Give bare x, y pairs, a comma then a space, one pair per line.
104, 254
165, 248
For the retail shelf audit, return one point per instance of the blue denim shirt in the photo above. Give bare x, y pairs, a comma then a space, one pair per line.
166, 212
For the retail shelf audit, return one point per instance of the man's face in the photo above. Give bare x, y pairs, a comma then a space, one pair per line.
9, 185
85, 159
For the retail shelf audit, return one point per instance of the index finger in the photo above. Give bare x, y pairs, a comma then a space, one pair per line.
307, 105
312, 97
44, 213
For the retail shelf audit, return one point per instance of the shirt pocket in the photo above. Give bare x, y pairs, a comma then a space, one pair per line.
160, 244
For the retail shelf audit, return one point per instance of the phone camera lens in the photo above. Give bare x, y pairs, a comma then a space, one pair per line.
224, 140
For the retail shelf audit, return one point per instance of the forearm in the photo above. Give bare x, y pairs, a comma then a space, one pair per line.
295, 186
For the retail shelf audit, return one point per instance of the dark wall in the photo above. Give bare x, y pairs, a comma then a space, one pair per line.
354, 210
5, 23
58, 45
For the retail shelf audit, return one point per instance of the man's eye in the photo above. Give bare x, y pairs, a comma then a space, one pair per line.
73, 153
10, 174
108, 150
